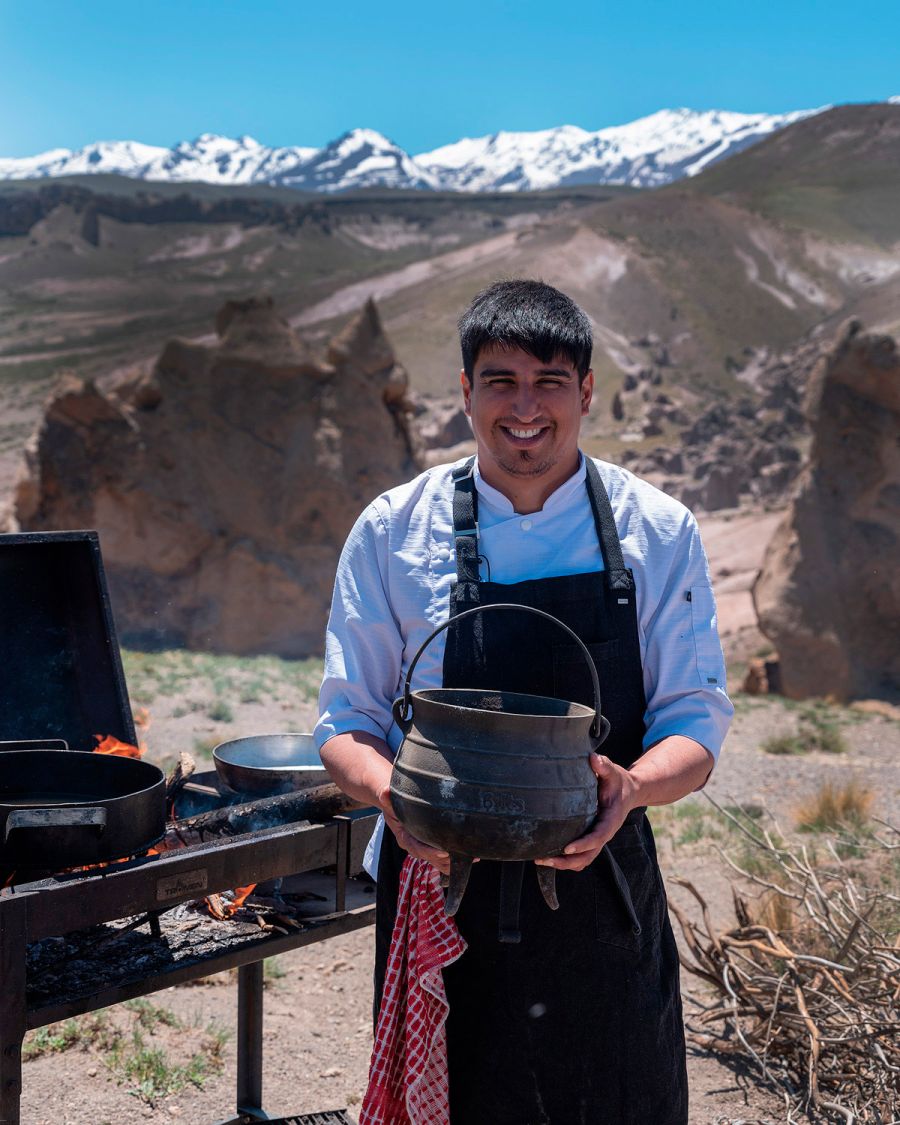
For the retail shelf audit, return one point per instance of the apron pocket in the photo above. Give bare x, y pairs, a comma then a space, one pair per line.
628, 893
572, 677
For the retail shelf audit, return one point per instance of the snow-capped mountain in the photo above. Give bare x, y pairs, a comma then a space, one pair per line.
361, 158
651, 151
648, 152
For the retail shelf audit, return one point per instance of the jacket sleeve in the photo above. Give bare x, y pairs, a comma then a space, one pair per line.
684, 669
363, 644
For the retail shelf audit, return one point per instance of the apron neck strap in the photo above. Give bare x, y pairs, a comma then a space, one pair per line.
465, 522
465, 526
618, 578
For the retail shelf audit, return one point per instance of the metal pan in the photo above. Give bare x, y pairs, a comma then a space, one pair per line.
68, 808
269, 763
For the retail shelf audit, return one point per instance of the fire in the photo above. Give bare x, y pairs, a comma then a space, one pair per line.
220, 909
109, 744
240, 896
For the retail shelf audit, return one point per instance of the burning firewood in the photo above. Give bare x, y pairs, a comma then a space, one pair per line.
223, 908
317, 803
177, 779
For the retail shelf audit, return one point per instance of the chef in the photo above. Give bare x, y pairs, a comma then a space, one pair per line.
580, 1020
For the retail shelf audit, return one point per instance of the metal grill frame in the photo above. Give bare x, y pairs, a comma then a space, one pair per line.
52, 907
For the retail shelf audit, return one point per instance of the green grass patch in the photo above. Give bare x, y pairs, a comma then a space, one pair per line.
817, 728
221, 678
151, 1075
686, 822
149, 1015
146, 1069
220, 712
273, 971
93, 1030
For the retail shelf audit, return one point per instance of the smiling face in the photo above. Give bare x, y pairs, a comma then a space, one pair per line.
526, 416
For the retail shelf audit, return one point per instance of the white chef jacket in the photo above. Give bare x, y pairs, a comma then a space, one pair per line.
395, 573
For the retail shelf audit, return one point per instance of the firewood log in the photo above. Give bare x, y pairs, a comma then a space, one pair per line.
315, 804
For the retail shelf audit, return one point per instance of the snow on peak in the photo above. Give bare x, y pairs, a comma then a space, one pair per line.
653, 150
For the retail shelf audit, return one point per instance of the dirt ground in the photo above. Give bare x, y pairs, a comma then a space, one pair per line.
318, 999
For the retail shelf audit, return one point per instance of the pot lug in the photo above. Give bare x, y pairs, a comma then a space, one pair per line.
460, 868
546, 877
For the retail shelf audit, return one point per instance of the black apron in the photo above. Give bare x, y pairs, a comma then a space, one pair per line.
579, 1023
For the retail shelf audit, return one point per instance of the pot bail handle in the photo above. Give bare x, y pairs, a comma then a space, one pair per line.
402, 708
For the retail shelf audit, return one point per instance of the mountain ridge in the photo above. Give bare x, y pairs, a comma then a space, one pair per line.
661, 148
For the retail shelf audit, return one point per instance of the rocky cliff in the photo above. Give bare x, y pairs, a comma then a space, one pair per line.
828, 593
224, 481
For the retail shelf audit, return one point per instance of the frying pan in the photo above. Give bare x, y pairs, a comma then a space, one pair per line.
269, 763
66, 808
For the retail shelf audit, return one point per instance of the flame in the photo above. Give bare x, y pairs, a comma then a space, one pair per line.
220, 909
241, 894
9, 881
109, 744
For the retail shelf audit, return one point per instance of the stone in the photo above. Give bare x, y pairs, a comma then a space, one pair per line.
223, 482
756, 681
828, 593
446, 424
720, 488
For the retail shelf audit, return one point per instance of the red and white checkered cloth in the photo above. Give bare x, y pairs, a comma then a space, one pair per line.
408, 1082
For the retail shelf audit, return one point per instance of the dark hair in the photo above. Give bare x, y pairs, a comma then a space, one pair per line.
529, 315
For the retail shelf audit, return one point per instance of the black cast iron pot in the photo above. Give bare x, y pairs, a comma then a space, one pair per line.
493, 774
69, 808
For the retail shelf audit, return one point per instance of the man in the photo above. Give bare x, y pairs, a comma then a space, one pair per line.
581, 1020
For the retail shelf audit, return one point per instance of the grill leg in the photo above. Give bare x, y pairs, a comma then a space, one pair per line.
12, 1006
342, 862
250, 1041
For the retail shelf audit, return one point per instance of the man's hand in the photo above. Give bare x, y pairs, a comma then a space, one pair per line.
361, 764
438, 859
616, 797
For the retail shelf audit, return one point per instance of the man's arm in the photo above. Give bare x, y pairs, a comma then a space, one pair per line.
360, 764
667, 771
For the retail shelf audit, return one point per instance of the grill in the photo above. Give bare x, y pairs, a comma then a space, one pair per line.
75, 942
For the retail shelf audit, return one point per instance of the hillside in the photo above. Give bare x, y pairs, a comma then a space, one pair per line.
717, 275
837, 174
91, 279
695, 289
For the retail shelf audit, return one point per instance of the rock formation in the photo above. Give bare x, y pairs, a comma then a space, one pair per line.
828, 594
745, 449
224, 482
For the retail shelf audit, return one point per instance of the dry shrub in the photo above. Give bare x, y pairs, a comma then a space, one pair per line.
836, 807
806, 984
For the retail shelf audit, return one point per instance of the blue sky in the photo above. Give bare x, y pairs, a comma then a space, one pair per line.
424, 74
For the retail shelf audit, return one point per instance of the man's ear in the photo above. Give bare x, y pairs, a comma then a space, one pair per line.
466, 390
587, 392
